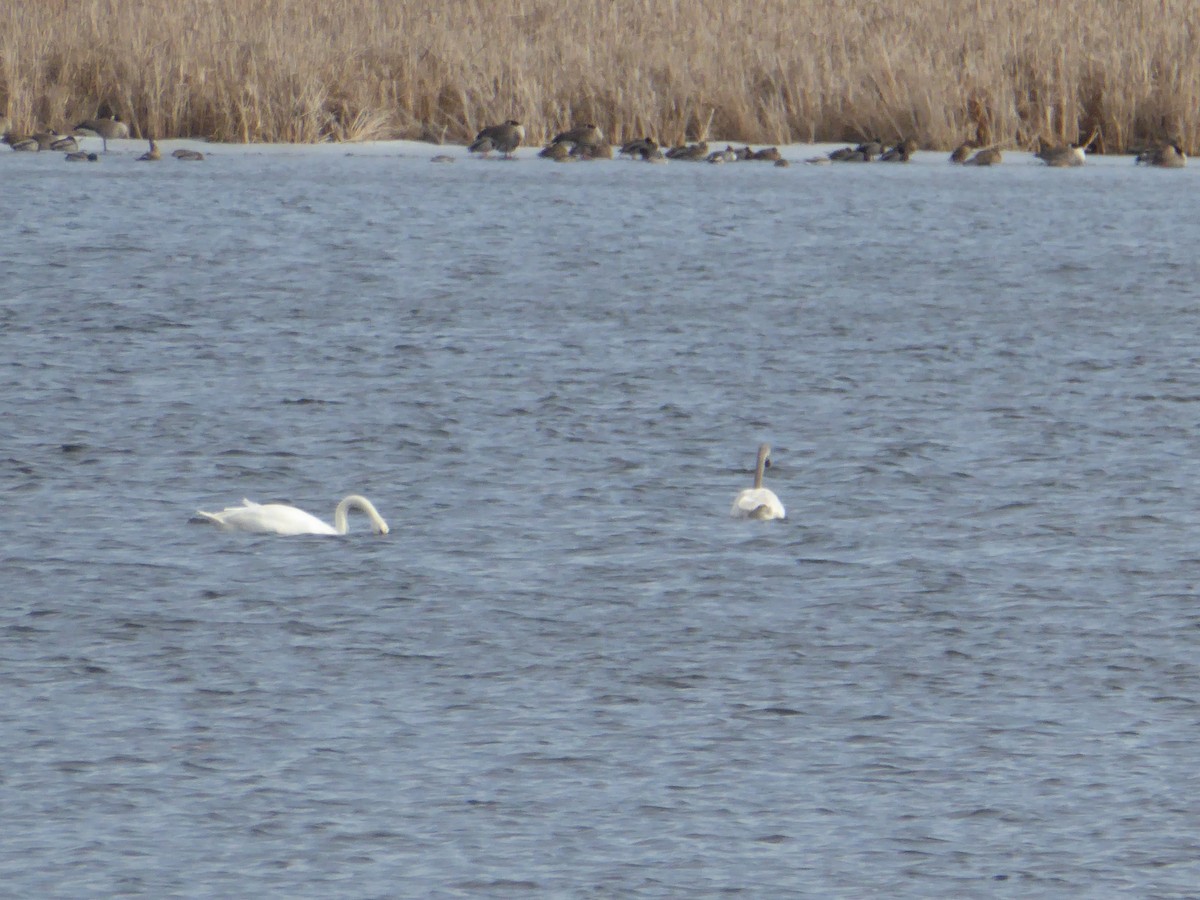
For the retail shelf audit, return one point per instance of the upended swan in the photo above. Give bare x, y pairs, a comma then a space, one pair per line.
279, 518
758, 502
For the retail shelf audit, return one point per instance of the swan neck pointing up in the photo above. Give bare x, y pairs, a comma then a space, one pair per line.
357, 501
764, 452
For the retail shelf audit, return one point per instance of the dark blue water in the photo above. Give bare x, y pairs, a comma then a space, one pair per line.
965, 666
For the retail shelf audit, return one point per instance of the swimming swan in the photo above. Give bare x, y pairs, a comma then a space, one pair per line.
758, 502
279, 518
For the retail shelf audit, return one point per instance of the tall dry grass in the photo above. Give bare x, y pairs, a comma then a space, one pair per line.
764, 71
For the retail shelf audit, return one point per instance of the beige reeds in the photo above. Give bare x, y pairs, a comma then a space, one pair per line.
726, 70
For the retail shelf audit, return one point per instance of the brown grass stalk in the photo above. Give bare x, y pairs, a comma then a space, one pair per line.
760, 71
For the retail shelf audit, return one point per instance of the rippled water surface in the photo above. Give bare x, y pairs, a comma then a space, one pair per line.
966, 665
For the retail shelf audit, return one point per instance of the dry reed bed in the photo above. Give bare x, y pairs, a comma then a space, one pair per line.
760, 71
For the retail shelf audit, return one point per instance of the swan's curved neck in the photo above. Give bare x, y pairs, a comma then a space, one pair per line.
763, 453
356, 501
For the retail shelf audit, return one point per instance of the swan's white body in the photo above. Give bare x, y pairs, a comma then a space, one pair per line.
758, 502
279, 518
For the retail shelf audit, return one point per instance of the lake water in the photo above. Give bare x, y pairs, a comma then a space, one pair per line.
966, 665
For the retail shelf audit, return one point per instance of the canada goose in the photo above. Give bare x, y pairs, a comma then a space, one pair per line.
962, 152
111, 128
187, 155
1170, 156
556, 151
864, 152
644, 147
849, 154
279, 518
151, 155
767, 154
22, 143
637, 146
1060, 156
758, 502
1167, 156
81, 156
901, 152
871, 148
988, 156
587, 134
602, 150
505, 137
32, 142
692, 152
47, 139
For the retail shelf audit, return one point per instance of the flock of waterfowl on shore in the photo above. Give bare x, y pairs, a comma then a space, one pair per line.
107, 128
587, 142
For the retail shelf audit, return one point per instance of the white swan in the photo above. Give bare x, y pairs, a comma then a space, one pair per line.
758, 502
279, 518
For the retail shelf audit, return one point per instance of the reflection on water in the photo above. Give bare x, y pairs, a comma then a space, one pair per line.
965, 659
